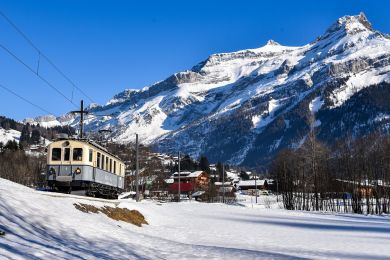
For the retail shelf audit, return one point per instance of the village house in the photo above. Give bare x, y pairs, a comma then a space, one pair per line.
226, 186
250, 186
189, 181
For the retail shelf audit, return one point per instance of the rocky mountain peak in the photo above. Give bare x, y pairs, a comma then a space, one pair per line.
360, 19
272, 43
351, 25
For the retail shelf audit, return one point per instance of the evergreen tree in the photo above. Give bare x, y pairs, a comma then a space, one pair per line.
25, 134
204, 164
244, 176
11, 145
220, 171
187, 164
35, 137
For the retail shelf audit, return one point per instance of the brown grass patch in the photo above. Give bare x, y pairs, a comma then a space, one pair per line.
120, 214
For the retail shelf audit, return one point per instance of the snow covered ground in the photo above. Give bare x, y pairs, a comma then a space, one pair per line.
42, 225
9, 135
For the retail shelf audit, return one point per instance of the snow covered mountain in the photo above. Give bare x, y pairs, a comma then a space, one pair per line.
243, 107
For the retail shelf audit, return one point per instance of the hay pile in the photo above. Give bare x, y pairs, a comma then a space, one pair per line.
122, 214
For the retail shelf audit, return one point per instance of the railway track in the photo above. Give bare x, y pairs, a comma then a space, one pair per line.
78, 196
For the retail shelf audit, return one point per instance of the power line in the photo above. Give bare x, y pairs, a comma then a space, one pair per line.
33, 104
34, 72
25, 99
41, 54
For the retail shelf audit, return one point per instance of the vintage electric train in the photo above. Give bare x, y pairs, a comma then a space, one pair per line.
80, 164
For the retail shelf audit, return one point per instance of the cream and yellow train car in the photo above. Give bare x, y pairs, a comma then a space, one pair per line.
84, 165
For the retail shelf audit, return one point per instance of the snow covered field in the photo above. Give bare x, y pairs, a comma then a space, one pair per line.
42, 225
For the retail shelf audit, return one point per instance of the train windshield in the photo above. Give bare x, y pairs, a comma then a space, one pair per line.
56, 154
90, 155
98, 160
66, 154
77, 154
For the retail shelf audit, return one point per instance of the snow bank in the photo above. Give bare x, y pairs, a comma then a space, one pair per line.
42, 225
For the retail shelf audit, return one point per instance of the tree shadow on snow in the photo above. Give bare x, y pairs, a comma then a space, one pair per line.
38, 238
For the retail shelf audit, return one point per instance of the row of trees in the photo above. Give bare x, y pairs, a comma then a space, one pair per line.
352, 175
17, 166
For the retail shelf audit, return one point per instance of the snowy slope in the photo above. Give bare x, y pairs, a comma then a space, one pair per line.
252, 103
42, 226
9, 135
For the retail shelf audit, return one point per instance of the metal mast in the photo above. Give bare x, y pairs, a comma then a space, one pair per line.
256, 185
136, 168
223, 183
81, 112
178, 190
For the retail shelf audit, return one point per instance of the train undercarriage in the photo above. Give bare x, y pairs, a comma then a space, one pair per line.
85, 188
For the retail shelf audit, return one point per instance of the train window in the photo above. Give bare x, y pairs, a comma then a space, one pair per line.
90, 155
77, 154
66, 154
98, 160
103, 161
56, 154
110, 165
115, 167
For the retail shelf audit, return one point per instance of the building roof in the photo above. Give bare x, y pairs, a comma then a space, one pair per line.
194, 174
251, 183
226, 183
198, 193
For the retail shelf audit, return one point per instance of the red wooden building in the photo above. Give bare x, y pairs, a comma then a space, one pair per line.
189, 181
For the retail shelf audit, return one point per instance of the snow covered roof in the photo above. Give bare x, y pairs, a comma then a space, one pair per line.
226, 183
194, 174
198, 193
251, 183
182, 174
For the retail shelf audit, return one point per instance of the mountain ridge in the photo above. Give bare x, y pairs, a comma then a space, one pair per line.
245, 106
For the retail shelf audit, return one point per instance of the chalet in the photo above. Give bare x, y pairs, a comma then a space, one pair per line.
189, 181
252, 185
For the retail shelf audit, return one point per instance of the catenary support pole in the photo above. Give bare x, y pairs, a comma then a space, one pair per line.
178, 189
136, 168
81, 112
256, 185
81, 118
223, 183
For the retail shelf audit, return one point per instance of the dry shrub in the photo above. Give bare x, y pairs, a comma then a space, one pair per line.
122, 214
267, 203
86, 208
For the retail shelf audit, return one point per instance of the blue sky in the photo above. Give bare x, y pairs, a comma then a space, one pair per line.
108, 46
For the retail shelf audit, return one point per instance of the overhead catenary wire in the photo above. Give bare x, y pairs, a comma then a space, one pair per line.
33, 104
42, 55
25, 99
38, 75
